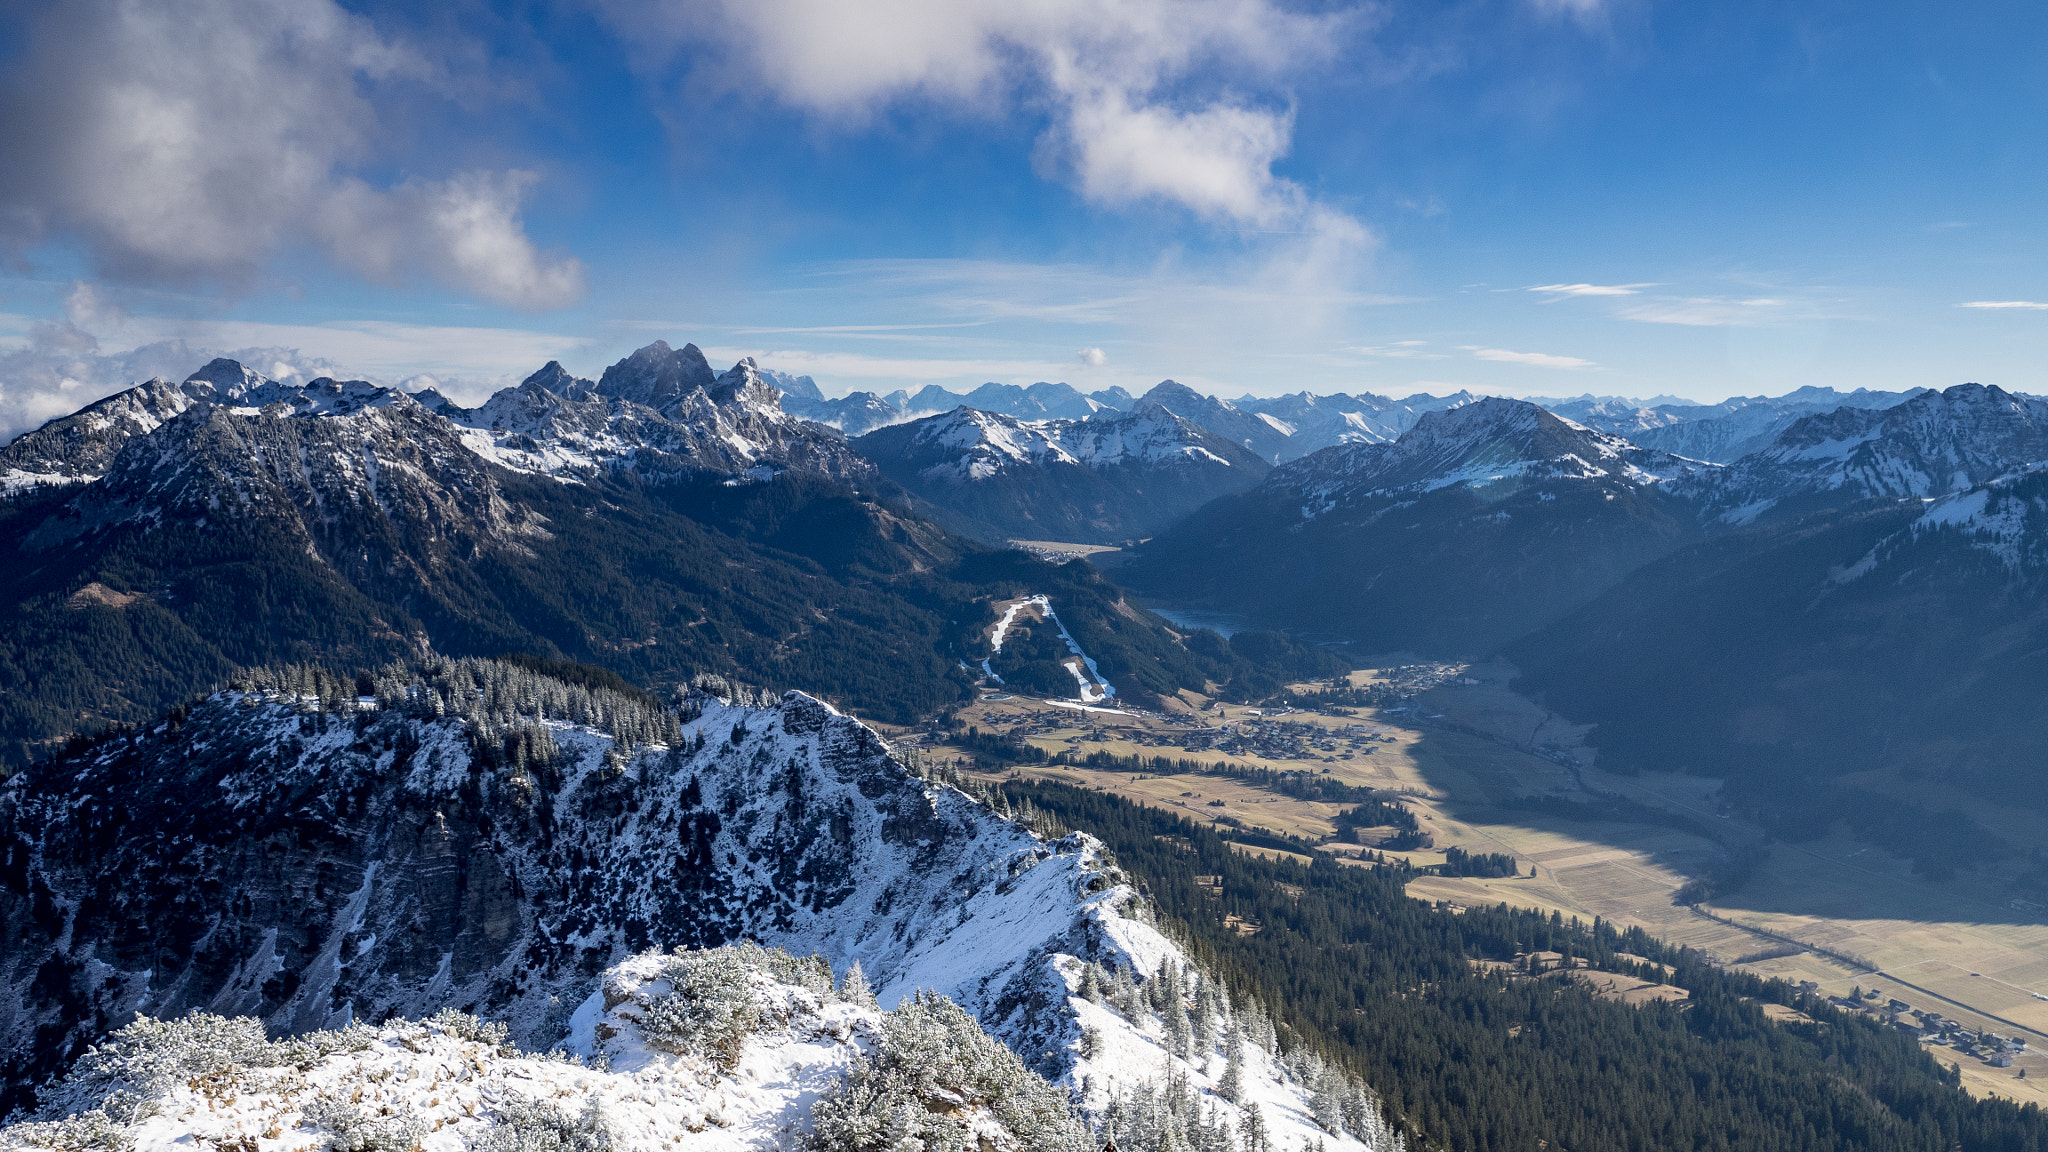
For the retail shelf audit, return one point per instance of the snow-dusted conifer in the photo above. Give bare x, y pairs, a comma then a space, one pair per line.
854, 987
1206, 1015
1332, 1091
1231, 1087
1256, 1138
1180, 1031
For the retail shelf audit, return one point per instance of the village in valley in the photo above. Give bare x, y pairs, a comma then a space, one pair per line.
1486, 797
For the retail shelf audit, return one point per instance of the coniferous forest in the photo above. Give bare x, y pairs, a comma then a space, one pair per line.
1488, 1061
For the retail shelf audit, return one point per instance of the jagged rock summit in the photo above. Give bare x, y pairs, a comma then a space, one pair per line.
468, 835
660, 412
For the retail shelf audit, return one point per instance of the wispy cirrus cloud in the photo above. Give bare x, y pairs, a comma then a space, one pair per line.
2006, 305
1562, 291
1535, 359
1704, 311
1398, 350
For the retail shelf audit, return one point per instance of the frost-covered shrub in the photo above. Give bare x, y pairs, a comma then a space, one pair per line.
309, 1048
350, 1129
91, 1131
463, 1026
711, 1007
119, 1077
712, 1004
932, 1067
538, 1126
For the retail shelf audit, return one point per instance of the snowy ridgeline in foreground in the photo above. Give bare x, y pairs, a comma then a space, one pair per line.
728, 1049
1044, 945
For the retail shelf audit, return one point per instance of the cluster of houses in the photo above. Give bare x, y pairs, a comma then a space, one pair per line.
1931, 1027
1279, 740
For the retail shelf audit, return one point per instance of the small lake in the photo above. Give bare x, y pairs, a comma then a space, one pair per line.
1223, 623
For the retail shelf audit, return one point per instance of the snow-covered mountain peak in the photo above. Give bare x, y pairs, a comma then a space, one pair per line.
657, 376
1174, 395
743, 384
229, 379
554, 378
325, 396
968, 444
1928, 446
1487, 441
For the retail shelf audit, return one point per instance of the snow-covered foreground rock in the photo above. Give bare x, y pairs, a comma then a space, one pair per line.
476, 837
733, 1048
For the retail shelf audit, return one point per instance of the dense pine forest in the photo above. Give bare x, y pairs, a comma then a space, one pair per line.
1494, 1062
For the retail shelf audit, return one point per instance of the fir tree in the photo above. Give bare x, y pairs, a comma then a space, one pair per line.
1255, 1137
1332, 1090
1231, 1087
1180, 1031
1205, 1017
854, 987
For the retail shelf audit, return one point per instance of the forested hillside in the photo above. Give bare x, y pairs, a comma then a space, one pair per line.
1485, 1061
796, 582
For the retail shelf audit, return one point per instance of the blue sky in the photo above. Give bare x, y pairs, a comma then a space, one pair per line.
1531, 197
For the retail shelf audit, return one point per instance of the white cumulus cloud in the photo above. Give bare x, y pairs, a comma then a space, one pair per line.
1092, 357
196, 141
1116, 81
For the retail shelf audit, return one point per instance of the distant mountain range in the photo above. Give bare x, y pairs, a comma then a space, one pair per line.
1287, 427
1480, 523
162, 537
1865, 591
663, 521
1103, 480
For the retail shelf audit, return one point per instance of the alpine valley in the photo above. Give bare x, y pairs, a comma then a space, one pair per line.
388, 774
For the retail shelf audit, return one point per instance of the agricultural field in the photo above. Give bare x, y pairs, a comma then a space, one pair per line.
1470, 757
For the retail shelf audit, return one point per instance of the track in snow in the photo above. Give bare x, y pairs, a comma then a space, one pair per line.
1093, 688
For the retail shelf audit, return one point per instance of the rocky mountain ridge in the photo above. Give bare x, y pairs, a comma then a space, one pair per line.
1478, 524
467, 835
660, 411
1098, 480
1923, 448
1488, 442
